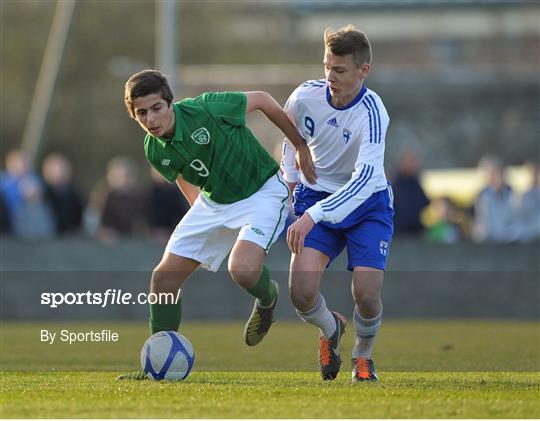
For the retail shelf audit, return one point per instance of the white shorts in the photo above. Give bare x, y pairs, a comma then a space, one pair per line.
208, 232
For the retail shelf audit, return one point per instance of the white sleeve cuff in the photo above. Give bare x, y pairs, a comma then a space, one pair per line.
316, 212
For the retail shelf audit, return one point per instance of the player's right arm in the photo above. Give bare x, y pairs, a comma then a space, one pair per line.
265, 103
188, 190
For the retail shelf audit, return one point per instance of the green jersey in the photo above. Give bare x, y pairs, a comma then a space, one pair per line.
212, 148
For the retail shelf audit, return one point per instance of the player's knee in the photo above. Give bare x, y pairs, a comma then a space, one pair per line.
303, 299
244, 273
367, 302
164, 280
158, 275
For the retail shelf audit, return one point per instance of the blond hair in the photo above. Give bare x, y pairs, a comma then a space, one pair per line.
348, 40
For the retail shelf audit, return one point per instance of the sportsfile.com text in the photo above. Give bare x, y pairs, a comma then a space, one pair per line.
108, 297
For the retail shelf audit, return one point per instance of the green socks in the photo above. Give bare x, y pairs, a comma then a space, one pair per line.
264, 290
168, 316
165, 317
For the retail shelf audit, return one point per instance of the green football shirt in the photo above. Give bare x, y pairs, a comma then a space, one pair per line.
212, 148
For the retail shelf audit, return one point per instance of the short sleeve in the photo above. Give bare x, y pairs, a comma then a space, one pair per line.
229, 106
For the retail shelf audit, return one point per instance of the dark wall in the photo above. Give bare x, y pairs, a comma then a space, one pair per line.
422, 280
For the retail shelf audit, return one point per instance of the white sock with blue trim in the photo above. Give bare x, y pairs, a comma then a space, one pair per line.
320, 316
365, 329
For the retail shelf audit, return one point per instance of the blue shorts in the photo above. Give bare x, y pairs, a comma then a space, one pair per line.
367, 231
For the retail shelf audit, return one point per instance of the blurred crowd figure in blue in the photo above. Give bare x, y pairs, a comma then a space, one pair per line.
164, 207
17, 170
61, 194
500, 214
527, 206
27, 213
493, 211
409, 196
34, 217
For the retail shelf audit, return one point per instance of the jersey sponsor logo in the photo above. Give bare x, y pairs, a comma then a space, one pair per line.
333, 122
165, 162
201, 136
346, 135
257, 230
383, 247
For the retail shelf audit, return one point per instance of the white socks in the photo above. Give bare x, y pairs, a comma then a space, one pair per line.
366, 329
320, 316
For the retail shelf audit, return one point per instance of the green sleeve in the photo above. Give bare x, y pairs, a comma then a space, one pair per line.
229, 106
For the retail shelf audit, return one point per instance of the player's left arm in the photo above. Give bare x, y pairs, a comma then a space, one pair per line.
265, 103
367, 174
189, 191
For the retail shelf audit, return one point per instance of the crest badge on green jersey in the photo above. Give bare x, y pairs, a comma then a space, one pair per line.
201, 136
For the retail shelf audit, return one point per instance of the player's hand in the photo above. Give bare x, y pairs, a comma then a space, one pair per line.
296, 234
305, 162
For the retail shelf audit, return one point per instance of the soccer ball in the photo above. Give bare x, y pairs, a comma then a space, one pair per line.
167, 356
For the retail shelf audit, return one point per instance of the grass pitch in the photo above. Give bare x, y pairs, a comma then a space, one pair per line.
427, 369
272, 395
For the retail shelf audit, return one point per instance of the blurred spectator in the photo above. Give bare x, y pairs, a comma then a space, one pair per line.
17, 169
34, 218
493, 212
61, 194
164, 206
409, 197
528, 206
445, 228
91, 217
117, 203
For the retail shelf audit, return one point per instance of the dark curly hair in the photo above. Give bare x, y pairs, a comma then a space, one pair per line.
144, 83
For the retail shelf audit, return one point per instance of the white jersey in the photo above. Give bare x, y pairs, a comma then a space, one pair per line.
347, 146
